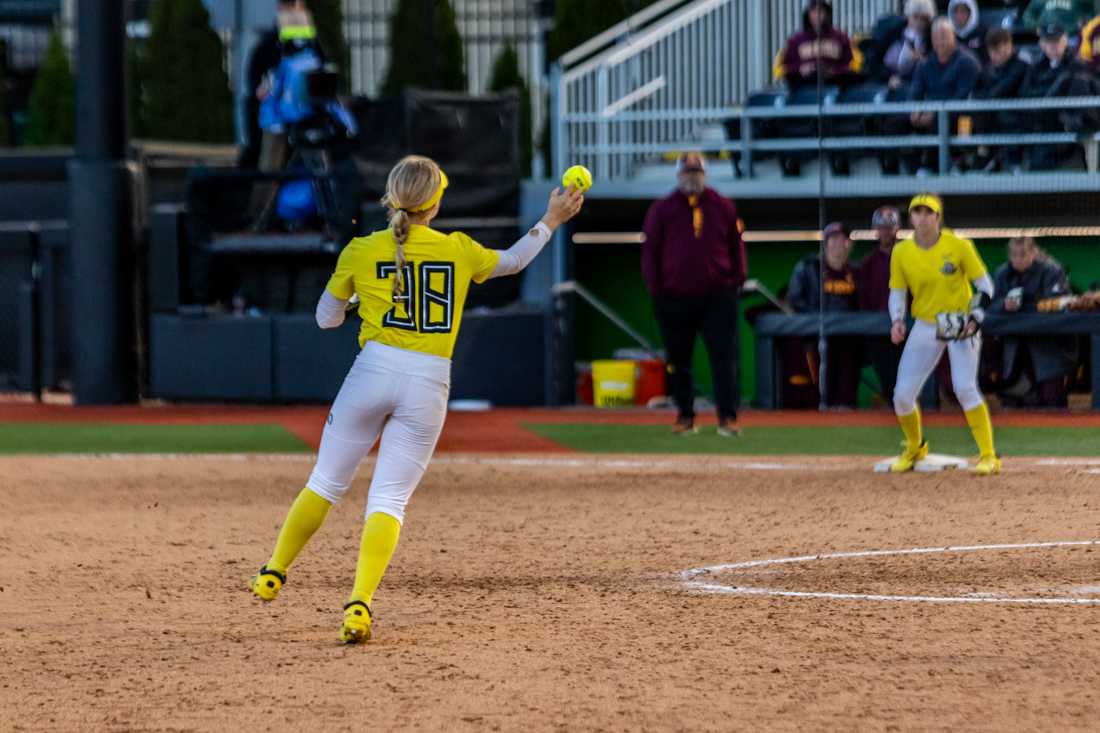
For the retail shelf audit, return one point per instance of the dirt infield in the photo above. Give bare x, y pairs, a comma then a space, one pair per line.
544, 592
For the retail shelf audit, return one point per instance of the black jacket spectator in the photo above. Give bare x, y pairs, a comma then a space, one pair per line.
1069, 77
1049, 359
805, 296
971, 34
1001, 82
1045, 79
804, 291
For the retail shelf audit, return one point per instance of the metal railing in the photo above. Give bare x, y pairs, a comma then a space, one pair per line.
706, 54
610, 155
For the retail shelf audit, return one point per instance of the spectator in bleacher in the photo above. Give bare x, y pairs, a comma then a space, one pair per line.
805, 296
969, 29
949, 73
899, 43
818, 45
1058, 73
693, 264
1070, 14
1000, 79
1089, 50
1036, 369
873, 288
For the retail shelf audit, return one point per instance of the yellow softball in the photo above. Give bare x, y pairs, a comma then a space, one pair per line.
578, 176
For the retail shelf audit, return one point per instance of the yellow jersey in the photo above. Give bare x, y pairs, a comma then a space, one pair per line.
938, 277
438, 270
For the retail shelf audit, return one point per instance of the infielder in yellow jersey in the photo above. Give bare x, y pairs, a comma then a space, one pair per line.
937, 268
411, 282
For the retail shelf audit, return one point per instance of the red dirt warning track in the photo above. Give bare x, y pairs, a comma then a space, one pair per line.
499, 430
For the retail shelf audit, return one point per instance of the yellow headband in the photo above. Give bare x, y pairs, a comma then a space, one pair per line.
435, 196
930, 200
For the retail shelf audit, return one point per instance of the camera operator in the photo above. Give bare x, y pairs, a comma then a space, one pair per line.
303, 121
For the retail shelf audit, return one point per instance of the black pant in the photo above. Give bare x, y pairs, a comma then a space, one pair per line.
885, 358
715, 317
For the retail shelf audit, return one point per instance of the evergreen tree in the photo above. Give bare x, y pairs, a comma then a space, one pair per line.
51, 113
416, 61
184, 88
575, 21
506, 75
328, 18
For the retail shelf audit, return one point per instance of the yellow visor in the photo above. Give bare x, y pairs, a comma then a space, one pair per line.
435, 196
930, 200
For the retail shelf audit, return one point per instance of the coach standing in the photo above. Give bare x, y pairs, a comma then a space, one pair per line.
693, 262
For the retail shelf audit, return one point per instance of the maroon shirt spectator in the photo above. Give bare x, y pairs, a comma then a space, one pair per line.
873, 276
874, 269
818, 44
693, 245
693, 263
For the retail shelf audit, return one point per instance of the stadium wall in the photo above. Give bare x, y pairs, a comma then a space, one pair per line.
613, 273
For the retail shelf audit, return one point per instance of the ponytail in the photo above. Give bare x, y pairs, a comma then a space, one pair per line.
415, 184
400, 224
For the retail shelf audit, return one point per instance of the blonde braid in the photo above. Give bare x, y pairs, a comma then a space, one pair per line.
411, 183
400, 223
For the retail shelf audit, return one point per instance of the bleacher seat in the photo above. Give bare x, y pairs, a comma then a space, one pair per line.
762, 128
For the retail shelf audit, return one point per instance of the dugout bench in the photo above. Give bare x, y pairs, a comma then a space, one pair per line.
772, 326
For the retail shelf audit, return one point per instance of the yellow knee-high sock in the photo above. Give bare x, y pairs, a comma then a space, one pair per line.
910, 426
306, 514
982, 428
380, 533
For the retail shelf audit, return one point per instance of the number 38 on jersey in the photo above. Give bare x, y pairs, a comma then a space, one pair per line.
427, 303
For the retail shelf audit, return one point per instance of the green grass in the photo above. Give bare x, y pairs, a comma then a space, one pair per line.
856, 441
21, 437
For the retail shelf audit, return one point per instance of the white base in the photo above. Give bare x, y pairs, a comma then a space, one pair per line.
931, 463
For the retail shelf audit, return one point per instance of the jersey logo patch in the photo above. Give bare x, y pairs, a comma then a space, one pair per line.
948, 268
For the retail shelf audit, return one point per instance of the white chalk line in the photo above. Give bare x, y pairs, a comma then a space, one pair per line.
690, 578
701, 463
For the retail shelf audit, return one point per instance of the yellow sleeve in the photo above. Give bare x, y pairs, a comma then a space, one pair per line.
897, 274
342, 282
972, 264
856, 65
1086, 51
481, 260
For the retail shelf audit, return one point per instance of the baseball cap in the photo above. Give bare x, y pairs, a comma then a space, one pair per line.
930, 200
835, 228
1052, 30
886, 216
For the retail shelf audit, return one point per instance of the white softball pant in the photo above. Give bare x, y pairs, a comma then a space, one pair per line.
400, 395
919, 358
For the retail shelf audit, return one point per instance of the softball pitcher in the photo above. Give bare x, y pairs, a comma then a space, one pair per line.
938, 268
411, 282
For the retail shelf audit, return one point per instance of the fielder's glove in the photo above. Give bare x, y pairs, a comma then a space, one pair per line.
951, 326
956, 326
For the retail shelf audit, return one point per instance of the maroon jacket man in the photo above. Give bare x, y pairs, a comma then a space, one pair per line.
693, 263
